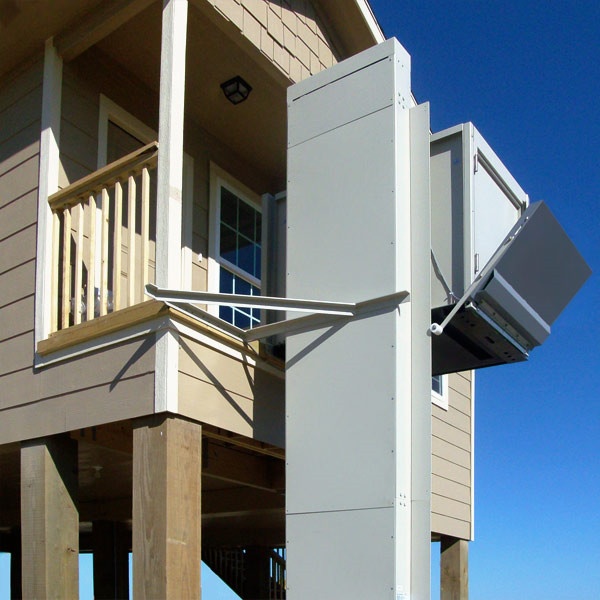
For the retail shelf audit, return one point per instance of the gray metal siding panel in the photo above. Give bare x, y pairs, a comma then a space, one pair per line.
447, 216
326, 533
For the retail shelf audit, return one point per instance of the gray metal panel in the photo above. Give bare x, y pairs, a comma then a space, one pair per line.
420, 350
362, 571
337, 224
349, 388
347, 67
525, 286
500, 295
340, 390
371, 90
494, 214
475, 202
543, 265
447, 228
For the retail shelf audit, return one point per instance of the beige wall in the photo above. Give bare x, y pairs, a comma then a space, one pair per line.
290, 33
109, 385
230, 393
20, 114
452, 460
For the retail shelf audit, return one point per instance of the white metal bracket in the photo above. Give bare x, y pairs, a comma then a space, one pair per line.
320, 313
438, 329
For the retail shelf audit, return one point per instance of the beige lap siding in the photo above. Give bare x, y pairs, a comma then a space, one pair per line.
452, 461
20, 114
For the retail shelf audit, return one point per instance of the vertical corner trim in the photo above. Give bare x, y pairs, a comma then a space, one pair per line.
166, 373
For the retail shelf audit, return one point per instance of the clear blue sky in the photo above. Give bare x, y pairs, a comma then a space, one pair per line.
528, 75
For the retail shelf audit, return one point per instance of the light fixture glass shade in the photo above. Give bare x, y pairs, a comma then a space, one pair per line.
236, 89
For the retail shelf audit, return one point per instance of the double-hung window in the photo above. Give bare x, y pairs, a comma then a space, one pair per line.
236, 248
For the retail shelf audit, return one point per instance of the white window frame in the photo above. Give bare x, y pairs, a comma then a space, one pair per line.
221, 178
111, 111
438, 399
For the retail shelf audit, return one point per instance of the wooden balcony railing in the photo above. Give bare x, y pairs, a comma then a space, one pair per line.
103, 239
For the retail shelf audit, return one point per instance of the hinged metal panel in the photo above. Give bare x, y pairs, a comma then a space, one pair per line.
474, 202
509, 310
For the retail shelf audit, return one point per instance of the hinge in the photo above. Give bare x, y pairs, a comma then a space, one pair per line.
475, 162
476, 263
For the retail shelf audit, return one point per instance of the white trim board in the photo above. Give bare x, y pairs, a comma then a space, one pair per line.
47, 185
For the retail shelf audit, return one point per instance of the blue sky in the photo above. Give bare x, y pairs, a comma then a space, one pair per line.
527, 74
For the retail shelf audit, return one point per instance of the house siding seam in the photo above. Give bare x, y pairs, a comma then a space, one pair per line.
288, 32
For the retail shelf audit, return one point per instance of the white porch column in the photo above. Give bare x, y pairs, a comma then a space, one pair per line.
170, 140
170, 188
48, 184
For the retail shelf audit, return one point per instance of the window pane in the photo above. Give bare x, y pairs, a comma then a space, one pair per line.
226, 283
436, 384
242, 287
246, 223
226, 313
229, 204
240, 232
241, 319
228, 244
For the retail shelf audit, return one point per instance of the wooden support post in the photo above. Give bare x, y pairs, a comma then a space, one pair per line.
167, 465
111, 560
258, 565
454, 569
49, 518
16, 592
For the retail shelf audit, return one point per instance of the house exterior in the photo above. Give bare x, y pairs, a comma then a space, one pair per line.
134, 424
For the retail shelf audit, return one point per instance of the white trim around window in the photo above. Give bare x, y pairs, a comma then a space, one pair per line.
110, 111
439, 391
219, 178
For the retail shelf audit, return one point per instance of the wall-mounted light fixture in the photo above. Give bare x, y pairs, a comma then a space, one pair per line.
236, 90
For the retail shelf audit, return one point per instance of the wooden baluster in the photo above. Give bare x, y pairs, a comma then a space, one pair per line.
66, 268
104, 255
117, 246
55, 271
131, 193
145, 231
91, 278
78, 266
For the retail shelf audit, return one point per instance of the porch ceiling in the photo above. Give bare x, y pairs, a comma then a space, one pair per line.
256, 129
25, 26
